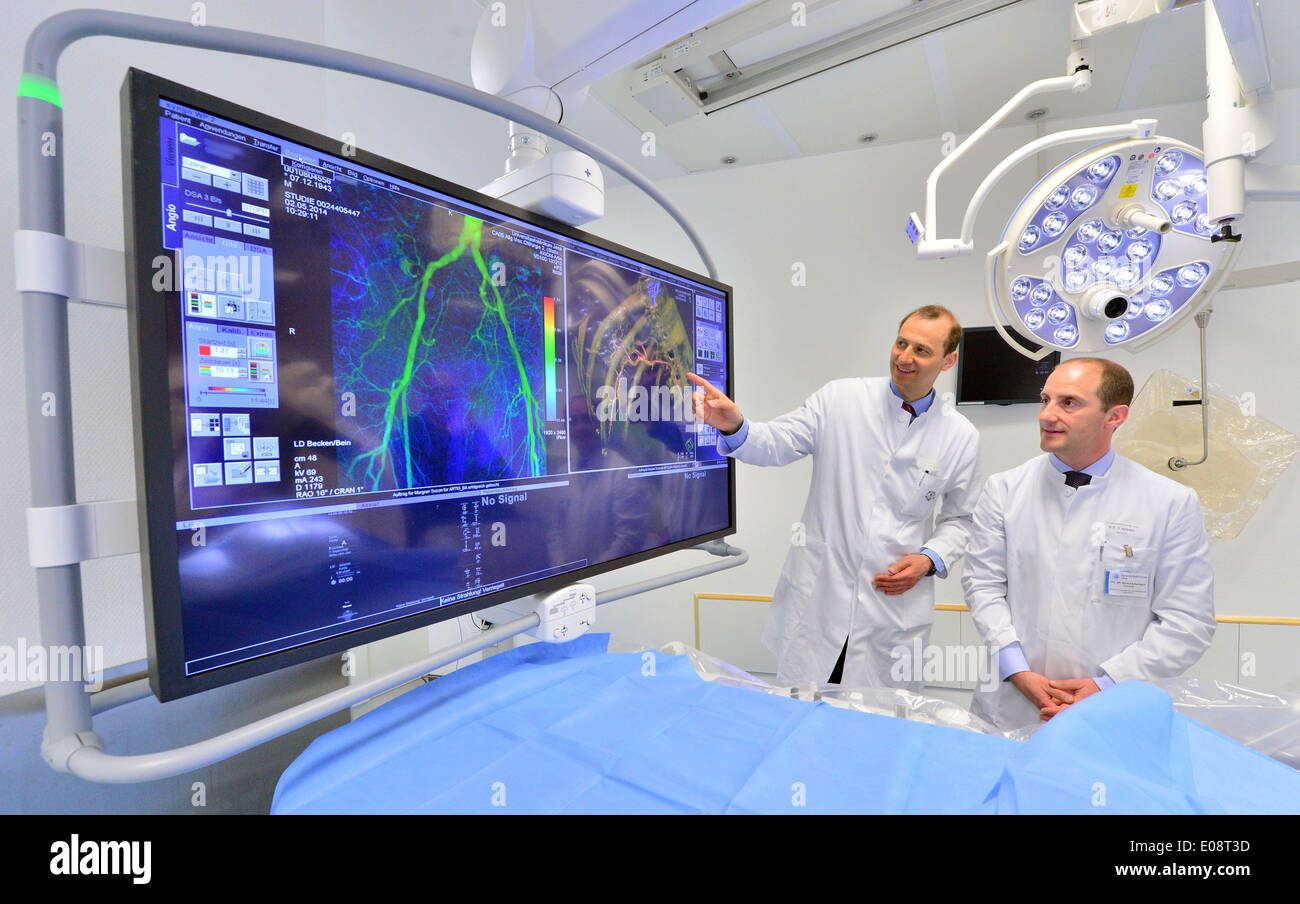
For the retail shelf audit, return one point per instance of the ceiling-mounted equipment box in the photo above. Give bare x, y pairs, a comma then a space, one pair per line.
665, 94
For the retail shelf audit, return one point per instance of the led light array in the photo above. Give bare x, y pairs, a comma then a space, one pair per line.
1167, 291
1067, 203
1180, 187
1082, 265
1044, 312
1097, 253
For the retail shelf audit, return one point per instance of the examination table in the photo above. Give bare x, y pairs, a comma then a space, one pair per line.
572, 728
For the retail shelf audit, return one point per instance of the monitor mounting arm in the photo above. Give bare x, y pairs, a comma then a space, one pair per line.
70, 743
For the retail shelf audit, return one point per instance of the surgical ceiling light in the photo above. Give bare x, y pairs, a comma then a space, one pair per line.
1112, 248
1124, 242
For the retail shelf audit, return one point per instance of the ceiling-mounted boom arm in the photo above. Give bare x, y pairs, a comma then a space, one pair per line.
924, 233
1237, 128
1087, 289
1089, 18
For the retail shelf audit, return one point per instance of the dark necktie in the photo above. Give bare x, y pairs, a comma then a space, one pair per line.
1077, 479
907, 406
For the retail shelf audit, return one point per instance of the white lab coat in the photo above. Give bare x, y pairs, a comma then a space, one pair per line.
875, 484
1037, 572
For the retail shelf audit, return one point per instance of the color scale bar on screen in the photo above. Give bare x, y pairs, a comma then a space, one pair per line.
549, 339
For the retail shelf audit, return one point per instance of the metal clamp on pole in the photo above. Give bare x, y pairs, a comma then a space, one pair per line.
46, 262
68, 534
1178, 463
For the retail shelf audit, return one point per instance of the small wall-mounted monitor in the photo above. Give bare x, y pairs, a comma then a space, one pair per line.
367, 399
990, 372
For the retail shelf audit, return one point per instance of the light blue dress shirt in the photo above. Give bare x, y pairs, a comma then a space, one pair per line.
1011, 658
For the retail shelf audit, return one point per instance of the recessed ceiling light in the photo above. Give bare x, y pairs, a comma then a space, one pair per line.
729, 159
868, 138
1036, 113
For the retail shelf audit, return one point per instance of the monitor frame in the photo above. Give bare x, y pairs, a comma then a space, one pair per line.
153, 398
1054, 357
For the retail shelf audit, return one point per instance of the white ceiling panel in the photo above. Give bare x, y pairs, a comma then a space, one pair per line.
702, 142
830, 111
987, 60
597, 122
994, 56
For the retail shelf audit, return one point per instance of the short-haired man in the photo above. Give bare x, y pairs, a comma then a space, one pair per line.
1085, 568
854, 601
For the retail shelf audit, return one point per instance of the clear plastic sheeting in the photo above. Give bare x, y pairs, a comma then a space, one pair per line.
904, 705
1266, 723
1247, 453
881, 701
1024, 733
711, 668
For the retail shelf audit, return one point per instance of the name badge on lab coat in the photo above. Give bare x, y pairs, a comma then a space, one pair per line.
1127, 583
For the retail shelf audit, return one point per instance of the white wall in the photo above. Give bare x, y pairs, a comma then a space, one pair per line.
843, 215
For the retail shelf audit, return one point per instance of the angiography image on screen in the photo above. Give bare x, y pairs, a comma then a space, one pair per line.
440, 337
390, 399
630, 351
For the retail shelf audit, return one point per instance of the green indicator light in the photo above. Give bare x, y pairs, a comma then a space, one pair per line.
41, 88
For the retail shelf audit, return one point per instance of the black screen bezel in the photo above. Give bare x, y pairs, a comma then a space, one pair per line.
154, 400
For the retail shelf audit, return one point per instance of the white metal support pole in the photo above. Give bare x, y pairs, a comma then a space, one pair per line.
1225, 165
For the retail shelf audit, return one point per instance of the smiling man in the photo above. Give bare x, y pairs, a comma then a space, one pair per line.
1085, 568
854, 597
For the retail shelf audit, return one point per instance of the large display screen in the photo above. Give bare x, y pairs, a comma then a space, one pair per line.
368, 399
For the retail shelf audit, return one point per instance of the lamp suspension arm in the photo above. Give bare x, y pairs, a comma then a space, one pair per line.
1138, 128
1087, 19
1078, 82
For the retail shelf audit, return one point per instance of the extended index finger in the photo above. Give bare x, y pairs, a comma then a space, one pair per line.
701, 382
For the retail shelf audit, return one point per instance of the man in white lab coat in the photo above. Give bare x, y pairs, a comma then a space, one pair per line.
1085, 568
855, 600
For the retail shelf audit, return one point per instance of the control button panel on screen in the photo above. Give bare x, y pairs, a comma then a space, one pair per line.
205, 424
266, 472
207, 474
223, 367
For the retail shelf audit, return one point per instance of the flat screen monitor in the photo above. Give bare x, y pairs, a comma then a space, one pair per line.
367, 399
990, 372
